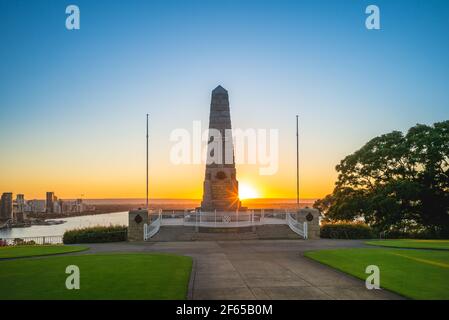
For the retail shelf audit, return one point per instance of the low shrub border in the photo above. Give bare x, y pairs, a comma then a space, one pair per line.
96, 235
346, 230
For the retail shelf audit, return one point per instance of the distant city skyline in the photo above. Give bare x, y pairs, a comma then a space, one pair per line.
73, 103
16, 209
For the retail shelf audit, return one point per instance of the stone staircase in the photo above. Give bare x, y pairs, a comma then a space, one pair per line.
174, 233
182, 233
276, 231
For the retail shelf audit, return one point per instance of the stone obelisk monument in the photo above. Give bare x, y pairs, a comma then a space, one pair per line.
221, 188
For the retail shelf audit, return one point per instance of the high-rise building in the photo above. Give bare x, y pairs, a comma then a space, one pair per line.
36, 206
50, 200
6, 206
57, 206
20, 203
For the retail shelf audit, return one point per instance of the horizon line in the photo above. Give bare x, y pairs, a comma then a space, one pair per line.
192, 199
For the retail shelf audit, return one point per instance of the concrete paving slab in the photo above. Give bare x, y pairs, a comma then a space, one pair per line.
261, 280
296, 293
205, 281
358, 293
241, 293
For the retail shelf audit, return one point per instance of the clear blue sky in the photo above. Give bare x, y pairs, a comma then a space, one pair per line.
69, 100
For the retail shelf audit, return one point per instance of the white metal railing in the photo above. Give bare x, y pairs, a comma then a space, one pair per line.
231, 219
40, 240
296, 226
149, 230
225, 219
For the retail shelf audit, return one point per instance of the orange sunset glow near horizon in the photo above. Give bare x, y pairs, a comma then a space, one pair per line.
166, 181
121, 175
73, 106
115, 169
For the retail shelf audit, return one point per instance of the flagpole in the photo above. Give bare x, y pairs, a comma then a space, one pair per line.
147, 165
297, 161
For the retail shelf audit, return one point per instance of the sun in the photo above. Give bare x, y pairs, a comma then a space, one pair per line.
247, 191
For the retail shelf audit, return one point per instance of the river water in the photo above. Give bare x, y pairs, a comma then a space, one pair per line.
117, 218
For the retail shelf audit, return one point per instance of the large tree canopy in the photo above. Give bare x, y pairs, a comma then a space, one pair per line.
396, 181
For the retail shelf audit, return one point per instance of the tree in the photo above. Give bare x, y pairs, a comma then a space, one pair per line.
396, 181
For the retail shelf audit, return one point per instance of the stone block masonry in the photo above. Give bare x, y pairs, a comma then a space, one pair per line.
312, 217
136, 220
220, 188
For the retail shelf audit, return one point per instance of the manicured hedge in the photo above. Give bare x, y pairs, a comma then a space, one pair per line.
346, 231
421, 234
96, 234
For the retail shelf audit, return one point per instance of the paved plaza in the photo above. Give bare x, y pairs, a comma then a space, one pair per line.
259, 269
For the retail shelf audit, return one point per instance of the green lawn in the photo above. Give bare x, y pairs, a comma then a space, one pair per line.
31, 251
412, 243
102, 276
416, 274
